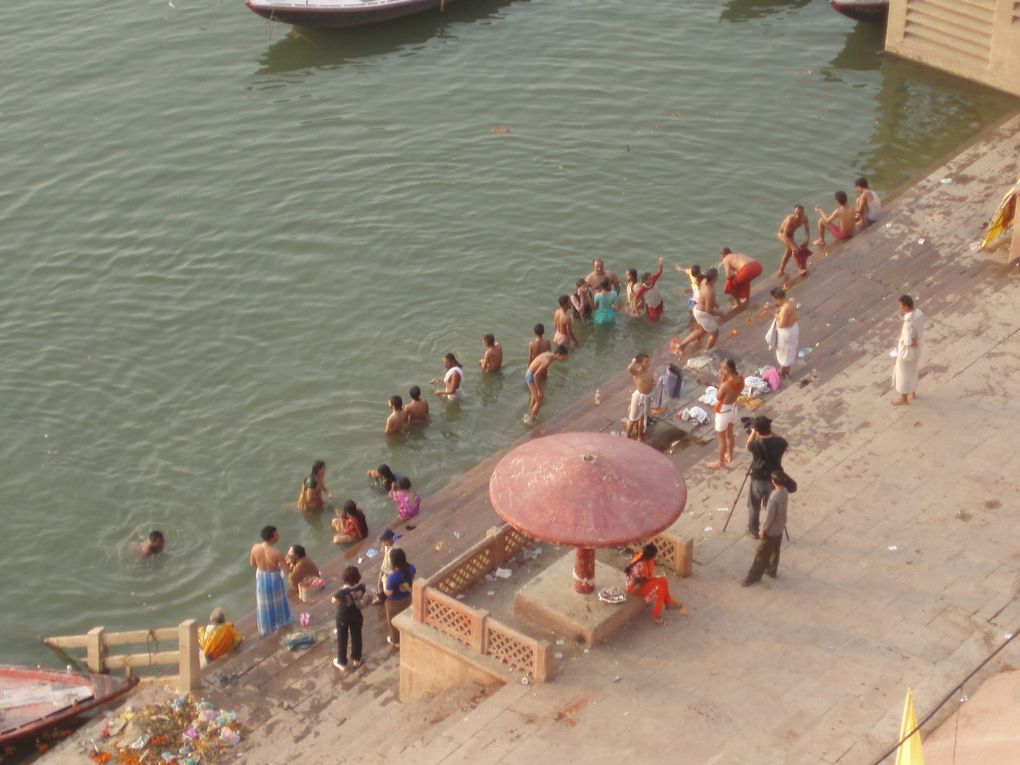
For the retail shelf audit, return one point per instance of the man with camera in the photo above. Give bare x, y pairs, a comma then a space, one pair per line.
767, 451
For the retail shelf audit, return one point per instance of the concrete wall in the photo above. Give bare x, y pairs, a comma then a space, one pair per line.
976, 39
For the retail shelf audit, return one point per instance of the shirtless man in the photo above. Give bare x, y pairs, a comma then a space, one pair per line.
787, 229
539, 344
787, 330
416, 411
598, 273
739, 270
840, 221
564, 334
395, 422
272, 611
535, 378
153, 545
730, 386
640, 369
453, 379
868, 206
706, 313
301, 567
492, 359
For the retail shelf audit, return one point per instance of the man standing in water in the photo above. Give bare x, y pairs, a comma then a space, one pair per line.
417, 411
272, 611
908, 352
564, 335
787, 229
598, 273
739, 270
535, 378
492, 359
453, 380
397, 417
640, 369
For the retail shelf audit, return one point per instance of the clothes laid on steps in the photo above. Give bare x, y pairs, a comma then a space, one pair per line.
694, 414
709, 396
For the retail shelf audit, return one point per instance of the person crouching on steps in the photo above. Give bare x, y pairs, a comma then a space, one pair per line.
348, 601
641, 581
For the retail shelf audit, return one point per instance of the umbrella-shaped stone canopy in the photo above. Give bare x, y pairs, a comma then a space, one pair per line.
587, 490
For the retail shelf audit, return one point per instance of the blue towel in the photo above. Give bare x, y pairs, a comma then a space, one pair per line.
272, 611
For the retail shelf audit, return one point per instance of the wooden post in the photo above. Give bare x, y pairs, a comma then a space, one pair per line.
543, 661
684, 557
190, 673
478, 631
418, 596
95, 650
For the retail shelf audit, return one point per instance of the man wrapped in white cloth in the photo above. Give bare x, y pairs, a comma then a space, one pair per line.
784, 335
640, 369
908, 352
706, 313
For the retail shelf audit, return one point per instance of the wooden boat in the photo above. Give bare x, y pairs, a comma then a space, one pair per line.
32, 700
876, 11
339, 14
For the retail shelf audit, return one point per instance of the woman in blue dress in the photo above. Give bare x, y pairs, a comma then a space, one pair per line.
605, 304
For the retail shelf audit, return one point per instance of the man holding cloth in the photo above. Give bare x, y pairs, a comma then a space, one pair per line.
766, 558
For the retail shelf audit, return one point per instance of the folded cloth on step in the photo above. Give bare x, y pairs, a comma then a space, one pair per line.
755, 386
694, 414
709, 396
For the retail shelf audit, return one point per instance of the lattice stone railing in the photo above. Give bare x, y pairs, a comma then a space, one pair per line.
675, 553
499, 546
435, 604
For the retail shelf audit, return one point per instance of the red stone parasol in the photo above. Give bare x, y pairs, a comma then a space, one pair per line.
587, 490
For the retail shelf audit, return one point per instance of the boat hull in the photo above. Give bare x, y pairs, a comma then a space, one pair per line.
34, 700
343, 17
873, 12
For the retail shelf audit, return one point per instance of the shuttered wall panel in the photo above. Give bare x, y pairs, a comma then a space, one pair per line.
960, 27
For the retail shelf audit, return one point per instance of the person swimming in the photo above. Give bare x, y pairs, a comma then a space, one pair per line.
153, 545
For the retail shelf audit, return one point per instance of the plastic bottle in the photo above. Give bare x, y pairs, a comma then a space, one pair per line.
598, 397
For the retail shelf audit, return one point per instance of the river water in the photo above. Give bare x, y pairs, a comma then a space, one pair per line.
226, 243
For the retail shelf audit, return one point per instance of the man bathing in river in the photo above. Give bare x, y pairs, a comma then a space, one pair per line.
272, 611
492, 359
598, 273
535, 378
564, 334
539, 344
705, 312
739, 270
453, 380
787, 229
397, 417
416, 411
640, 369
153, 545
840, 222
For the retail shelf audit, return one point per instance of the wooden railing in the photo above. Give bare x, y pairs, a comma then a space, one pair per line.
435, 604
98, 641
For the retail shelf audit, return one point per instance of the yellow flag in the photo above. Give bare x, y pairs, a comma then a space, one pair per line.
909, 752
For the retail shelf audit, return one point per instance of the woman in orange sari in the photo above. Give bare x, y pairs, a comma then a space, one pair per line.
641, 581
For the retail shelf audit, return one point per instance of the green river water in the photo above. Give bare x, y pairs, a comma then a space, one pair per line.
226, 243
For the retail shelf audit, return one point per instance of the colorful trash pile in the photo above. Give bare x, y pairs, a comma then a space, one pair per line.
182, 731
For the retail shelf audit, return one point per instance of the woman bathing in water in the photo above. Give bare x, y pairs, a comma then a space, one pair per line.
452, 380
313, 488
383, 477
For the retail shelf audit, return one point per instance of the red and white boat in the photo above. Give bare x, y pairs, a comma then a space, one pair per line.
33, 700
339, 14
876, 11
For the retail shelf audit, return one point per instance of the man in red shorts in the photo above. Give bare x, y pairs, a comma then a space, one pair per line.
840, 222
739, 270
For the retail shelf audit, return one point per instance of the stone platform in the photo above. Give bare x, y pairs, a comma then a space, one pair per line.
549, 602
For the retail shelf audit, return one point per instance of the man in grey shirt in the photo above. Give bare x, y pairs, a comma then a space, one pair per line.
766, 558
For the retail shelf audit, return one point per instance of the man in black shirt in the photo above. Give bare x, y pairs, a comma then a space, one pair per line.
767, 451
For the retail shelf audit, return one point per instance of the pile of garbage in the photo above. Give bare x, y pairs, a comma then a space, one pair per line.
181, 731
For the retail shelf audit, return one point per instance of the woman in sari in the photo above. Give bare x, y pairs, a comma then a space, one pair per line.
641, 581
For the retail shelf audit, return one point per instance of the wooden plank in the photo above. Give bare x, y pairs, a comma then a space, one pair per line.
143, 659
140, 636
